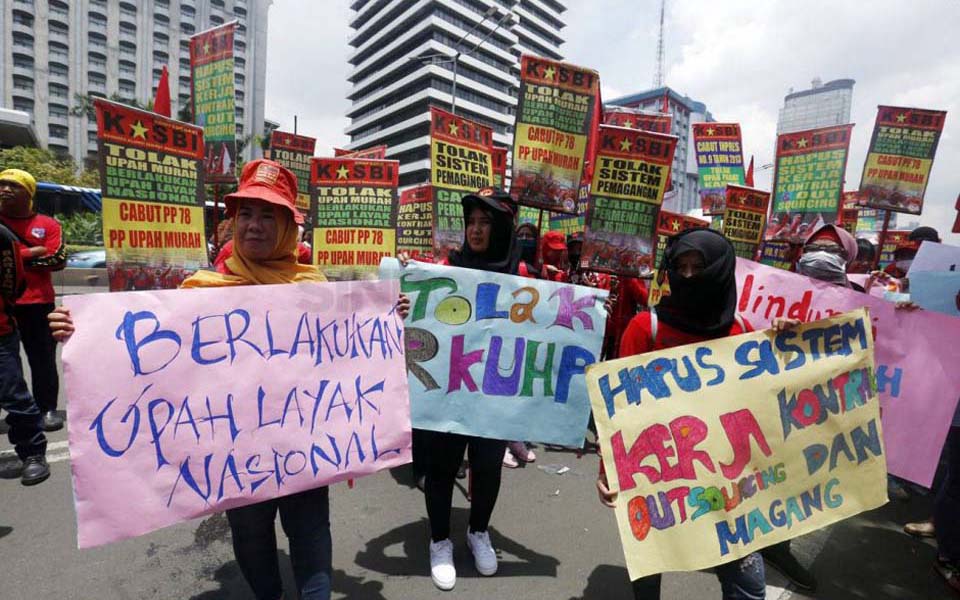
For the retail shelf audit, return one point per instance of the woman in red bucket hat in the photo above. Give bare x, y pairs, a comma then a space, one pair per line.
265, 220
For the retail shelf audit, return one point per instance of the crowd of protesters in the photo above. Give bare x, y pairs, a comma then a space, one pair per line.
265, 247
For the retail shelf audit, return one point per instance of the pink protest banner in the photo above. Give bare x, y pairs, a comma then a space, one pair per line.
189, 402
916, 356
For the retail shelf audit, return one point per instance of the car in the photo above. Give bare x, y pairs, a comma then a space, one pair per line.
88, 259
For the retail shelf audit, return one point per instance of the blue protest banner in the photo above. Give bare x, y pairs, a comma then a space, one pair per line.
936, 290
499, 356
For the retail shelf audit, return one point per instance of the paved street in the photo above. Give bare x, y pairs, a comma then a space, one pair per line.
556, 542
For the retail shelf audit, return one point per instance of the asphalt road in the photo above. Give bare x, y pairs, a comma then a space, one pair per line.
554, 538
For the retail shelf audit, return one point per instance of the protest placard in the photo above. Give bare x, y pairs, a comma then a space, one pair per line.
151, 180
499, 356
635, 118
415, 222
778, 254
373, 152
461, 162
720, 448
668, 224
632, 172
936, 290
719, 155
897, 167
556, 115
355, 212
214, 104
189, 402
916, 359
808, 181
935, 257
744, 219
890, 243
294, 152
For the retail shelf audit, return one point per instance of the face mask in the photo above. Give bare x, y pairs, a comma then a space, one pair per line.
528, 249
823, 266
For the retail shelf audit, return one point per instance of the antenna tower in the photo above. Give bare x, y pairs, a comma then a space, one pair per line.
658, 76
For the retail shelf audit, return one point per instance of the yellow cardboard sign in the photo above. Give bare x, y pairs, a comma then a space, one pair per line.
153, 233
724, 447
352, 252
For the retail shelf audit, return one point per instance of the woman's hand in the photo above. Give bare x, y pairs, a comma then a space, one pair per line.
37, 251
404, 258
607, 498
403, 305
610, 303
780, 324
61, 323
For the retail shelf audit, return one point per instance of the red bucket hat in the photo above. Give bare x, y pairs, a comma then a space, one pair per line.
268, 181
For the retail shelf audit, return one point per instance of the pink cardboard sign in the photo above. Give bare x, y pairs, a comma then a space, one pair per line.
188, 402
916, 355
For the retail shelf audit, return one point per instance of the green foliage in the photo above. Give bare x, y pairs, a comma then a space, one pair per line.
83, 228
47, 166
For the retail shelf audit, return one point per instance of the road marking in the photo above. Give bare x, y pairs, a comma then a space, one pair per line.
51, 448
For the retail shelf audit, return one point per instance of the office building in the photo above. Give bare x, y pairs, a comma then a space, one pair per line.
686, 111
824, 104
402, 63
55, 50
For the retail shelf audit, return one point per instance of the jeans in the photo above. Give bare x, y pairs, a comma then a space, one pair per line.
23, 416
741, 579
444, 453
305, 517
946, 506
41, 350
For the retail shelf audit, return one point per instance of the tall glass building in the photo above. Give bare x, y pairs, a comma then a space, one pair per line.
822, 105
401, 65
54, 50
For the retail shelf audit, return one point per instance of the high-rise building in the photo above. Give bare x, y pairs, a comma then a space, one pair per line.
403, 62
57, 50
686, 111
824, 104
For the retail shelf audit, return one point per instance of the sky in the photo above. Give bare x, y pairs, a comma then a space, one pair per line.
738, 57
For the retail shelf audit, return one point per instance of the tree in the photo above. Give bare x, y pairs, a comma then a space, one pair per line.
45, 165
83, 104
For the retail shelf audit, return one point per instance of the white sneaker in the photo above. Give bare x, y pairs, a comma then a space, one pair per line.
521, 452
508, 460
442, 571
484, 556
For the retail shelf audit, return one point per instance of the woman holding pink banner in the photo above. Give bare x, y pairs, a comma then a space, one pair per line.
265, 221
700, 265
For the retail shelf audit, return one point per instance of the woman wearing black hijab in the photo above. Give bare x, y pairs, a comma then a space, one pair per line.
700, 265
490, 244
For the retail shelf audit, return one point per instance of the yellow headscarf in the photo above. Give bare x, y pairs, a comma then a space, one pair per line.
280, 267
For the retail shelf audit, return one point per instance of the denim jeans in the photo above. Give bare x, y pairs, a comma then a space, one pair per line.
23, 416
946, 506
741, 579
305, 518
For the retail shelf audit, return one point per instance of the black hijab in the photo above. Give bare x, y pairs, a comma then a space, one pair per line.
503, 253
706, 303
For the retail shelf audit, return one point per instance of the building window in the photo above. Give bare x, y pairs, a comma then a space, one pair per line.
239, 79
58, 28
22, 18
97, 20
22, 83
127, 27
58, 110
24, 104
187, 11
59, 70
216, 20
97, 78
187, 28
58, 131
22, 40
23, 61
58, 91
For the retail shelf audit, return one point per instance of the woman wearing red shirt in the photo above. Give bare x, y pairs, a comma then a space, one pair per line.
700, 265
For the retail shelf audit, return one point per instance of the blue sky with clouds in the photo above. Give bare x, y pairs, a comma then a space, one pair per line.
738, 57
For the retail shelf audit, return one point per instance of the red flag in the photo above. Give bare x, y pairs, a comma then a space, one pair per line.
666, 106
956, 223
748, 180
161, 104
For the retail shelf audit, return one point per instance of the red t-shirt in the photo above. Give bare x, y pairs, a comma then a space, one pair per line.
38, 230
632, 295
638, 338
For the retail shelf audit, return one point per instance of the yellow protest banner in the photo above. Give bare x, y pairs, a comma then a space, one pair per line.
720, 448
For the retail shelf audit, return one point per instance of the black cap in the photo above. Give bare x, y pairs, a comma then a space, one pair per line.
924, 234
491, 197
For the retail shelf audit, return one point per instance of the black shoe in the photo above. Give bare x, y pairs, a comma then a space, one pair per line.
780, 557
52, 421
35, 470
